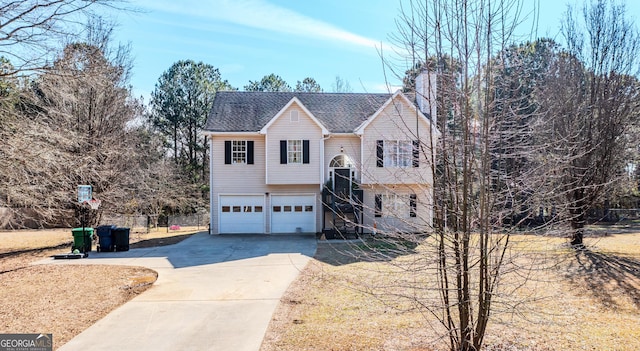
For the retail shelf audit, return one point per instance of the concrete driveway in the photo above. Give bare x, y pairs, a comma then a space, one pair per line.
212, 293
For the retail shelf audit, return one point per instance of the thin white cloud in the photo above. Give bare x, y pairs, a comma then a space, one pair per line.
382, 88
260, 14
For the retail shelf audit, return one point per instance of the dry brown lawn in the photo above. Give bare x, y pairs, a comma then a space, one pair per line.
557, 299
66, 299
569, 301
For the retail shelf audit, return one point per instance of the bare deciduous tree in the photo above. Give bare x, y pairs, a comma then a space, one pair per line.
591, 96
454, 271
71, 126
30, 29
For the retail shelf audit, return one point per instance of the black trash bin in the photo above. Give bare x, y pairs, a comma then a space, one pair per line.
120, 238
105, 238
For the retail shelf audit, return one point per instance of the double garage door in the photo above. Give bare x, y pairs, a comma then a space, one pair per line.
247, 213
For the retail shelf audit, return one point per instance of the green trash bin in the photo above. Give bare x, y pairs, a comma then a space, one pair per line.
82, 239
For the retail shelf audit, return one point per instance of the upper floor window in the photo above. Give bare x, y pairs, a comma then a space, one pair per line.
238, 152
397, 153
294, 151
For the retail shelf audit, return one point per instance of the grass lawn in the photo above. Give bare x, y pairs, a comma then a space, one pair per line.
65, 300
551, 298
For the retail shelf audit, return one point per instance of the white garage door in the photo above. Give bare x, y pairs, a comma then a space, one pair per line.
241, 214
289, 212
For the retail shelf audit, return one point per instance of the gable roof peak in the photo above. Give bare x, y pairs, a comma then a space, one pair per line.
239, 111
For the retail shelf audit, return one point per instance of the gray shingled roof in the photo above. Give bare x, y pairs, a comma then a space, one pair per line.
241, 111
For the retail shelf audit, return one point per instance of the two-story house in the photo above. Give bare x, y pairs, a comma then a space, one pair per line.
287, 162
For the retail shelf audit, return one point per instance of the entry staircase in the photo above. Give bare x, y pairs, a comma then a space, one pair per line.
345, 213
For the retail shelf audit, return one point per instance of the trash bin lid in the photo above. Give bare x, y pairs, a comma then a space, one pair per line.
79, 230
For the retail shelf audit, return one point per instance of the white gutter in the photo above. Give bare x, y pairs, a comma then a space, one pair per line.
322, 140
361, 136
229, 133
266, 159
211, 209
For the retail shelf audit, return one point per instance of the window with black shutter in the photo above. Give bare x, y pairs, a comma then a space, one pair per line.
227, 152
250, 152
294, 151
305, 151
413, 205
283, 152
379, 153
238, 152
378, 206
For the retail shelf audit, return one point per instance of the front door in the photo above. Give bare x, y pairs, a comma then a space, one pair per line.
342, 183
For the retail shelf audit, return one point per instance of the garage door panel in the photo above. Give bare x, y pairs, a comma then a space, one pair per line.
289, 212
241, 214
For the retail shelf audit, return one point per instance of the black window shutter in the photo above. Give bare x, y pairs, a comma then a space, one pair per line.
416, 153
412, 205
250, 152
379, 153
305, 151
283, 152
378, 209
227, 152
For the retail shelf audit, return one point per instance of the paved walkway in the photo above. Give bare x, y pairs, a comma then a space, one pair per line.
212, 293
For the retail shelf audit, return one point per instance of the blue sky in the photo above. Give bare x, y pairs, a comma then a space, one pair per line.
248, 39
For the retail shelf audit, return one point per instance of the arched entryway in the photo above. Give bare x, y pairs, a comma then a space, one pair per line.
342, 173
343, 205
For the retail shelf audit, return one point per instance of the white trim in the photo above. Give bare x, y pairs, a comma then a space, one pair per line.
295, 100
343, 134
362, 168
322, 169
211, 134
211, 209
413, 107
266, 158
267, 213
353, 166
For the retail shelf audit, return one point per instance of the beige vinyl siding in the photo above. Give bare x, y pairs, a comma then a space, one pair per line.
396, 122
285, 129
235, 179
350, 146
244, 179
399, 221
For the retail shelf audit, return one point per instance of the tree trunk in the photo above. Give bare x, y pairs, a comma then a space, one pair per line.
577, 238
175, 142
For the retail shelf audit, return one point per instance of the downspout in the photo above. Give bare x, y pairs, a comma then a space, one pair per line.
267, 212
266, 159
322, 181
322, 161
361, 165
211, 208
